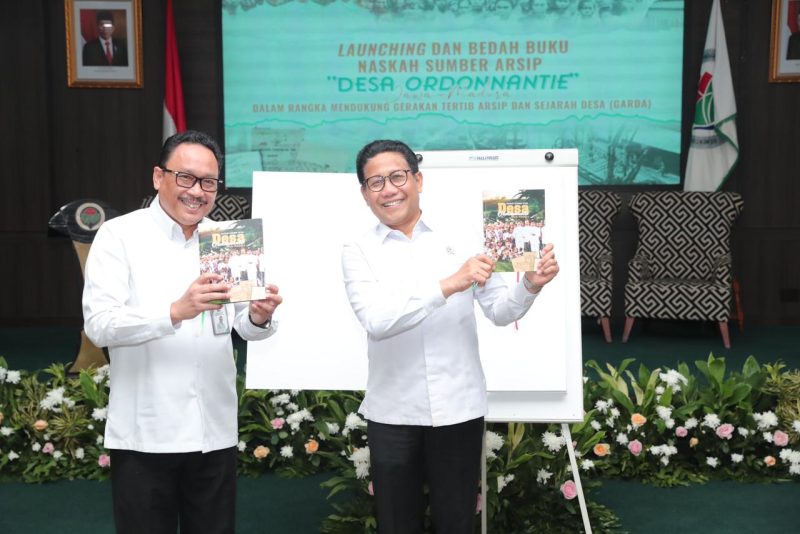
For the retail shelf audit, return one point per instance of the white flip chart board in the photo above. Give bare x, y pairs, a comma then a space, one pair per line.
533, 367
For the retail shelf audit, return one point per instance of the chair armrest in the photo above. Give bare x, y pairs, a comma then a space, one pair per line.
604, 266
723, 270
639, 268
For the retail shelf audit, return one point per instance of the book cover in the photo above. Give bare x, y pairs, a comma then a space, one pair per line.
235, 250
514, 228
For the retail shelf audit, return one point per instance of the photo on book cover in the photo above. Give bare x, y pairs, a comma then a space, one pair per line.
514, 228
235, 250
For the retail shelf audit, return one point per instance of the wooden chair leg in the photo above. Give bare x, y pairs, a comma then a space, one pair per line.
628, 327
606, 324
726, 338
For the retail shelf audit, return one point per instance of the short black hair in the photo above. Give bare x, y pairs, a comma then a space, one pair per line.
379, 147
103, 15
193, 137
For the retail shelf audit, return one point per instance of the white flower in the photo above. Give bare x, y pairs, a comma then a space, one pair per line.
90, 426
595, 425
292, 407
6, 431
57, 454
55, 399
241, 446
794, 469
294, 419
796, 426
12, 456
610, 422
690, 423
333, 428
790, 455
585, 379
494, 442
669, 423
587, 464
360, 459
615, 412
767, 437
765, 420
286, 451
100, 414
99, 440
664, 412
711, 461
502, 481
665, 460
601, 406
673, 379
736, 458
660, 390
3, 372
742, 431
295, 392
622, 439
711, 420
101, 374
278, 400
36, 447
80, 453
542, 476
552, 441
13, 377
353, 421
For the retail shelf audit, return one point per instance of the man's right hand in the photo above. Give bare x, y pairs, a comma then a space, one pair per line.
197, 299
475, 270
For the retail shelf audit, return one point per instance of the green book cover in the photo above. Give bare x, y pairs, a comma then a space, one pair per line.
514, 228
235, 250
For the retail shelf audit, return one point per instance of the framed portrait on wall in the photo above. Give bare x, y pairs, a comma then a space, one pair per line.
785, 42
104, 43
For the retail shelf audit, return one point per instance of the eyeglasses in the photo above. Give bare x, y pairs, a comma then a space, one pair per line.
184, 179
398, 178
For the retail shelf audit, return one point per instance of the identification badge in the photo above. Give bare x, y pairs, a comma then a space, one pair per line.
219, 321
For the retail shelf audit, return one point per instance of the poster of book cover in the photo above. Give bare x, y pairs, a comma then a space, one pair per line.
514, 228
235, 250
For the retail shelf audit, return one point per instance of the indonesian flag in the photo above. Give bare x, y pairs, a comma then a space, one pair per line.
714, 149
174, 117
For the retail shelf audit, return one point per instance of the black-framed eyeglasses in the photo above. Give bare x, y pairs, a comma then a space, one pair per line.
184, 179
398, 178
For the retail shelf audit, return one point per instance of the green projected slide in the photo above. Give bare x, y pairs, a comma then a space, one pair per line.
308, 83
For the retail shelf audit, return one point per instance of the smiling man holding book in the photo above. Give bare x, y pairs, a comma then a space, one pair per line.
172, 414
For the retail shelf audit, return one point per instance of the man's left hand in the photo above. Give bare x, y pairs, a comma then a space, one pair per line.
261, 310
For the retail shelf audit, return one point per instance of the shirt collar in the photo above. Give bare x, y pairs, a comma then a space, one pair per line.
382, 231
166, 224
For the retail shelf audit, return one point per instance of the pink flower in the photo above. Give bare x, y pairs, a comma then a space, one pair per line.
681, 432
569, 490
371, 488
725, 431
277, 423
104, 460
48, 448
780, 438
769, 460
635, 447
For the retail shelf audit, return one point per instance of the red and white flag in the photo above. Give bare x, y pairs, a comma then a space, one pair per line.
174, 116
714, 149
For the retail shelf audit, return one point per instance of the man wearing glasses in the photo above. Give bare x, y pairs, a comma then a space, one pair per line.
426, 395
172, 412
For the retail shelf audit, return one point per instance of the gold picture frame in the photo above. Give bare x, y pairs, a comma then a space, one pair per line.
104, 43
784, 50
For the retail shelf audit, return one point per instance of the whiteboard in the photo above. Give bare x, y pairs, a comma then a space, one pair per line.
533, 367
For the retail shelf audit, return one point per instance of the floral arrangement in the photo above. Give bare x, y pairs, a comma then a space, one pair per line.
662, 426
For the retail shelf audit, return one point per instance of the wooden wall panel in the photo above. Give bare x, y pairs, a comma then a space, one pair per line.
59, 144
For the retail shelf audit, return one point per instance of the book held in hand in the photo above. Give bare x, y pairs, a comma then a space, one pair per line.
514, 228
235, 251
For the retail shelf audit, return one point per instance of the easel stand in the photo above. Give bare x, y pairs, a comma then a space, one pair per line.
587, 527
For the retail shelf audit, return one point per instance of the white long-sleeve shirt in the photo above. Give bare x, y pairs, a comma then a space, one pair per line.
424, 366
172, 388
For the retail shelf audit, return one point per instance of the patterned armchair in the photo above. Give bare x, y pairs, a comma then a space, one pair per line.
682, 265
596, 212
227, 207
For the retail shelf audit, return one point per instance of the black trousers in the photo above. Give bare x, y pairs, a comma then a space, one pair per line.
153, 493
403, 458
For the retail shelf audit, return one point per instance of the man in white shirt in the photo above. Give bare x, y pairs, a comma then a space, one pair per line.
413, 291
172, 412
